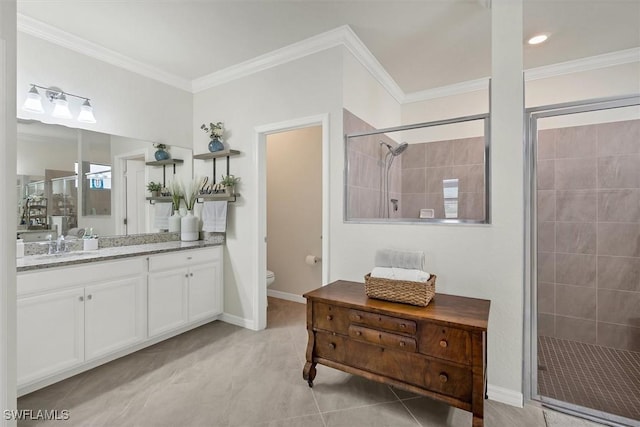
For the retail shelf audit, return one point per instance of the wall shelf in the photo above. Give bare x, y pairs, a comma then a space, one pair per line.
213, 156
164, 164
215, 197
161, 199
216, 154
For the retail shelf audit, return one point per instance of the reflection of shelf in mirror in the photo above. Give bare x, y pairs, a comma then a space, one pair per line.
216, 154
165, 162
161, 199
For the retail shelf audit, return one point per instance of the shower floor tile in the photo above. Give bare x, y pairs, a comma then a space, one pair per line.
588, 375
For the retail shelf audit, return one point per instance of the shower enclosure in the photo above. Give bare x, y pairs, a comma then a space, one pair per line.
585, 249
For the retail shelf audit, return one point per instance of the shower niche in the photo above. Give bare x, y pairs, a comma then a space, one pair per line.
433, 172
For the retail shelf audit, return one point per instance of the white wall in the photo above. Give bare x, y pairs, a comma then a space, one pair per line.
7, 212
294, 209
306, 87
124, 103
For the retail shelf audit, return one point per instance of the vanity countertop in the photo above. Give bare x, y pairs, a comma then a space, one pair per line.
37, 262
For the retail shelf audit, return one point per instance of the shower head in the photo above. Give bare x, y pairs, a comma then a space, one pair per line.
395, 151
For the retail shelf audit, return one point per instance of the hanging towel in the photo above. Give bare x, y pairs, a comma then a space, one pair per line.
162, 212
411, 275
399, 259
214, 216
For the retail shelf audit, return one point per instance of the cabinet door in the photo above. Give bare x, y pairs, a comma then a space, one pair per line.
205, 284
167, 296
50, 334
114, 316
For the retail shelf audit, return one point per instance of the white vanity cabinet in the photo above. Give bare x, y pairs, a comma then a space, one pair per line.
184, 287
71, 315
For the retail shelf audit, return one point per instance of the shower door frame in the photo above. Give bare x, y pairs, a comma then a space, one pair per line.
531, 117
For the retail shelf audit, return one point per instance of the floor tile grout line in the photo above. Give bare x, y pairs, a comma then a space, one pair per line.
410, 413
360, 407
313, 393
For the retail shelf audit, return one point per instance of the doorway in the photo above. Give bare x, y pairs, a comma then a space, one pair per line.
584, 275
260, 272
132, 209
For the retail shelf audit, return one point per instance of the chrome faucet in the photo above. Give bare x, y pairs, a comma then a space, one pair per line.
60, 245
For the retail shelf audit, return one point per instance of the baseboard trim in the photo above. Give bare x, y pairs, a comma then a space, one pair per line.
504, 395
286, 295
238, 321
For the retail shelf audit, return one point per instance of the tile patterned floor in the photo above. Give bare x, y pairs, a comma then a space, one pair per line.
224, 375
588, 375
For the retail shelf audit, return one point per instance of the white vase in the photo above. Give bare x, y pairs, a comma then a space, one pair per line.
189, 227
174, 222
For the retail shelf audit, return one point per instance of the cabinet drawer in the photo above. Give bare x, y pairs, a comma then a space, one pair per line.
179, 259
380, 321
330, 318
67, 276
385, 339
411, 368
445, 343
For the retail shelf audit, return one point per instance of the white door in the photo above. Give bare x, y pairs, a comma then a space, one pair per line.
167, 296
205, 282
135, 186
114, 316
50, 334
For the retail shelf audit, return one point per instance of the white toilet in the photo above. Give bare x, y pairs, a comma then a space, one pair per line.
270, 278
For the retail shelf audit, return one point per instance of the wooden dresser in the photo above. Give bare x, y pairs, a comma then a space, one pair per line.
437, 351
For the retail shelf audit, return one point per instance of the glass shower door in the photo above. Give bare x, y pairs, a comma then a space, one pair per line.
585, 223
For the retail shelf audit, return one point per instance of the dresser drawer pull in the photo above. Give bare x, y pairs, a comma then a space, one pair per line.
358, 317
403, 326
332, 346
329, 317
444, 377
401, 344
358, 333
444, 343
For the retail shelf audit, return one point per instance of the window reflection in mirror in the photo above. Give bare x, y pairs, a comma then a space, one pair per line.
421, 173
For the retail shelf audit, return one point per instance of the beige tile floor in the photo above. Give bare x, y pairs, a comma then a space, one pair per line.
224, 375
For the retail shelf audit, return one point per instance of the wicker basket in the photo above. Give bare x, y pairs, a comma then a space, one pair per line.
415, 293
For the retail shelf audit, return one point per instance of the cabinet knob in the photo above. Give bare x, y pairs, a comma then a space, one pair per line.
329, 317
358, 333
189, 257
89, 297
402, 344
191, 274
358, 317
332, 346
80, 298
444, 343
186, 275
444, 377
403, 326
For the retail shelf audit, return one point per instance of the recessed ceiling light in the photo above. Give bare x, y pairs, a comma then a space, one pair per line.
537, 39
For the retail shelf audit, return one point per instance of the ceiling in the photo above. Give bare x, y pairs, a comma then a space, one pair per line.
422, 44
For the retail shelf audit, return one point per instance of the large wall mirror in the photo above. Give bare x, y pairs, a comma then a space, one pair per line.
70, 180
421, 173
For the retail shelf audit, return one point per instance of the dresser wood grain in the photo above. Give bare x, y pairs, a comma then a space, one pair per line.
437, 351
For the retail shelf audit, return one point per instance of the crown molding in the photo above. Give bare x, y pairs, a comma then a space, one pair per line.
58, 37
449, 90
584, 64
341, 36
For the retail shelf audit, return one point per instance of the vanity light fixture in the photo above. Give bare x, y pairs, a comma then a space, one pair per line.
58, 97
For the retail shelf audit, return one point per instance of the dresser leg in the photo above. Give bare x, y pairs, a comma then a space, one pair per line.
309, 373
478, 421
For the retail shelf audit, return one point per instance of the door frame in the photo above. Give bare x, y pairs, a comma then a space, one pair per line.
531, 116
260, 217
119, 190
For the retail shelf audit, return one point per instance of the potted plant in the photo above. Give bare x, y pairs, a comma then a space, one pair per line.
229, 182
154, 188
215, 131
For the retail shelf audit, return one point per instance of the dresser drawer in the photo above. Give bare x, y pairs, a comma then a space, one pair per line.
411, 368
385, 339
445, 343
380, 321
330, 318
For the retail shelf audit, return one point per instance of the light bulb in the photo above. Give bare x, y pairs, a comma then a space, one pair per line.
86, 113
61, 109
33, 103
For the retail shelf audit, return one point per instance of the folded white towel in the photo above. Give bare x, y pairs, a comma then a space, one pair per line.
400, 259
214, 216
161, 215
393, 273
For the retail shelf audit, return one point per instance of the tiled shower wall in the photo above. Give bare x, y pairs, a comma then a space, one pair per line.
427, 164
588, 211
366, 165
